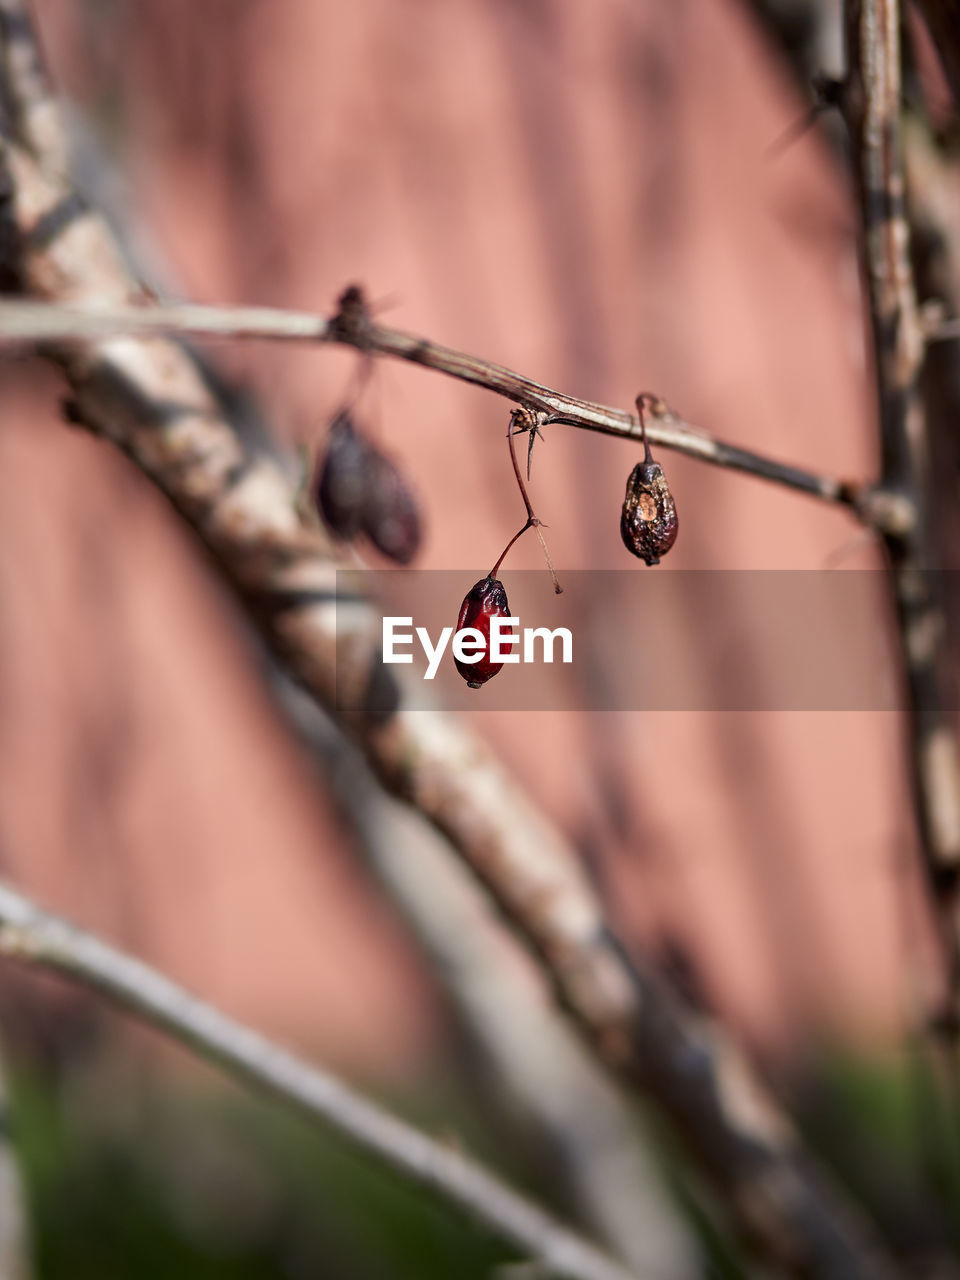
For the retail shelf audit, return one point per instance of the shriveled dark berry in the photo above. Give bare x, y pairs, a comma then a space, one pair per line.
648, 520
342, 480
391, 517
485, 600
358, 489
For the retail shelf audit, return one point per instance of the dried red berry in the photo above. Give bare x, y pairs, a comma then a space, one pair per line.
342, 479
485, 600
391, 519
648, 521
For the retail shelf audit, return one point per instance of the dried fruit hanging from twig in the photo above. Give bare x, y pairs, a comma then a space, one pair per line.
359, 489
340, 485
391, 519
485, 600
648, 521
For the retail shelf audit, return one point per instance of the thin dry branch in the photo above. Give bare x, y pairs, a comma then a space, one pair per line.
146, 396
45, 941
22, 321
872, 108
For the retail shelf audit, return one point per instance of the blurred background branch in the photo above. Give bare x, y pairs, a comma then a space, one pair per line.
31, 935
873, 109
870, 96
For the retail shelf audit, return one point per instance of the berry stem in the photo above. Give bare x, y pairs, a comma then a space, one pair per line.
647, 455
359, 381
511, 432
532, 522
503, 554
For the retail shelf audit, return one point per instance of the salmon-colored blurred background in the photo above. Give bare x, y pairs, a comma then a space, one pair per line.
584, 193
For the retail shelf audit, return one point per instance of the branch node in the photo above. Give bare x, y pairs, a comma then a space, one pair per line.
891, 512
352, 323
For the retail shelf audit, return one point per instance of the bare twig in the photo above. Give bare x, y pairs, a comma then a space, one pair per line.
146, 396
872, 108
43, 940
22, 321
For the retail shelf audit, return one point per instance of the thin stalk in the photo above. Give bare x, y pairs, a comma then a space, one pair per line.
532, 521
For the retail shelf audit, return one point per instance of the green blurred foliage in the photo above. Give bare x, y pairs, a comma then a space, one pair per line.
213, 1186
889, 1128
135, 1169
